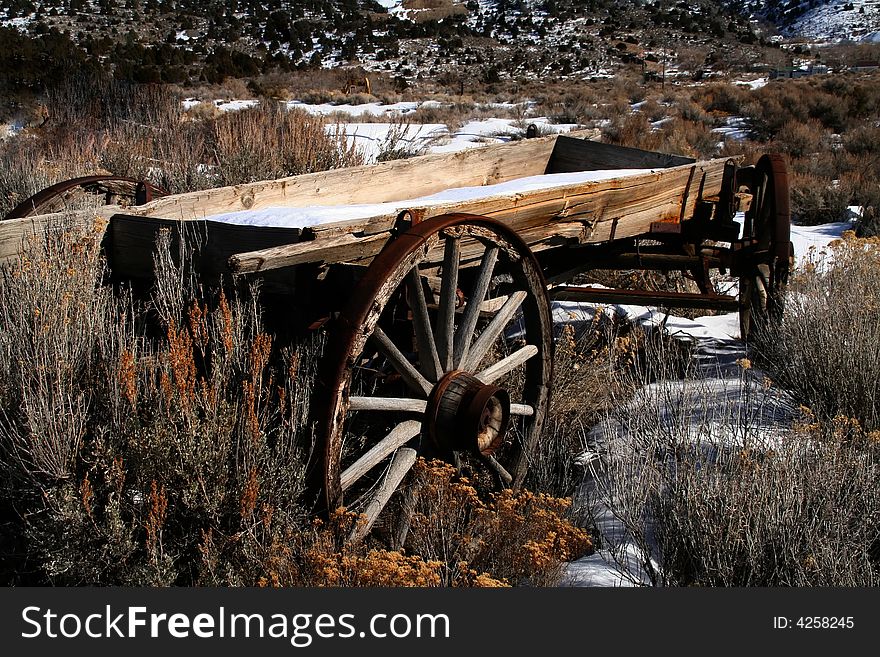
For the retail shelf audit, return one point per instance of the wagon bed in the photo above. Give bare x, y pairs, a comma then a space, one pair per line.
419, 291
670, 190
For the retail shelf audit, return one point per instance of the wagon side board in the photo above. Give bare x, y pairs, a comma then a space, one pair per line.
571, 154
378, 183
130, 245
20, 235
587, 213
584, 213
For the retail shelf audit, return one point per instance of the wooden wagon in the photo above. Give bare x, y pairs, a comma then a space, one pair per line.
419, 293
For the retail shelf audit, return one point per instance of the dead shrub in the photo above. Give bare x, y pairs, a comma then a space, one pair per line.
815, 200
707, 483
513, 538
653, 110
632, 130
96, 125
688, 110
588, 358
271, 142
689, 138
801, 139
119, 445
824, 348
720, 97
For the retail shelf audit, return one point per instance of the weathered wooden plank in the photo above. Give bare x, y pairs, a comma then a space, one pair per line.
583, 155
132, 239
18, 233
378, 183
591, 212
343, 248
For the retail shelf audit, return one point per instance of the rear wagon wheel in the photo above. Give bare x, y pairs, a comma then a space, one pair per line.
767, 232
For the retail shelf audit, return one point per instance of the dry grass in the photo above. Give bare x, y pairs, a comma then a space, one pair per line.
100, 126
712, 486
163, 442
138, 443
825, 348
514, 538
270, 142
679, 136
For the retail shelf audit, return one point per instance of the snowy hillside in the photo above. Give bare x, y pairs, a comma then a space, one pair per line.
824, 20
482, 40
857, 20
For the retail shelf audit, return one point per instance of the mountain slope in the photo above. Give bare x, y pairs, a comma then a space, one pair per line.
192, 40
826, 20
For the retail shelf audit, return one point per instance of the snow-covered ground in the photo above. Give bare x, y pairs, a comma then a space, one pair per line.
721, 392
839, 20
374, 137
371, 109
735, 128
753, 84
371, 139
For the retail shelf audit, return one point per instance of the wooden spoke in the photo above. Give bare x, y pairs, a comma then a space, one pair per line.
401, 464
499, 469
408, 508
399, 436
448, 300
487, 338
410, 374
400, 404
505, 365
472, 310
522, 409
429, 361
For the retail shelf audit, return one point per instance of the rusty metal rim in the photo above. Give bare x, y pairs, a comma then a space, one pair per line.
348, 328
771, 171
773, 165
30, 206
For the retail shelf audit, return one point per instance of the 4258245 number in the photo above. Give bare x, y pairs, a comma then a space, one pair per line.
825, 622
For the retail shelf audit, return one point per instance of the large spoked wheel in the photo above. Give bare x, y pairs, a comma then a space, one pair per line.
62, 195
767, 237
443, 351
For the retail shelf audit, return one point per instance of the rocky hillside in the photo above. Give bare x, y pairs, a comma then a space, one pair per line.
191, 40
823, 20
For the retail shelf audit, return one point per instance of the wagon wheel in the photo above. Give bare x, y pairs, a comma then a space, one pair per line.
407, 377
767, 236
56, 197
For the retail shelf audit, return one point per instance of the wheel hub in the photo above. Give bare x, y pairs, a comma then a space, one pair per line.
466, 414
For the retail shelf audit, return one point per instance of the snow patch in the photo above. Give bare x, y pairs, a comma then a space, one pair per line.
303, 217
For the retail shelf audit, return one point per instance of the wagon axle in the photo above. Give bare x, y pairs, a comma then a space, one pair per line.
463, 414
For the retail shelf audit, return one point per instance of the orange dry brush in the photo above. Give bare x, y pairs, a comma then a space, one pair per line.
128, 376
456, 539
516, 537
180, 359
156, 516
